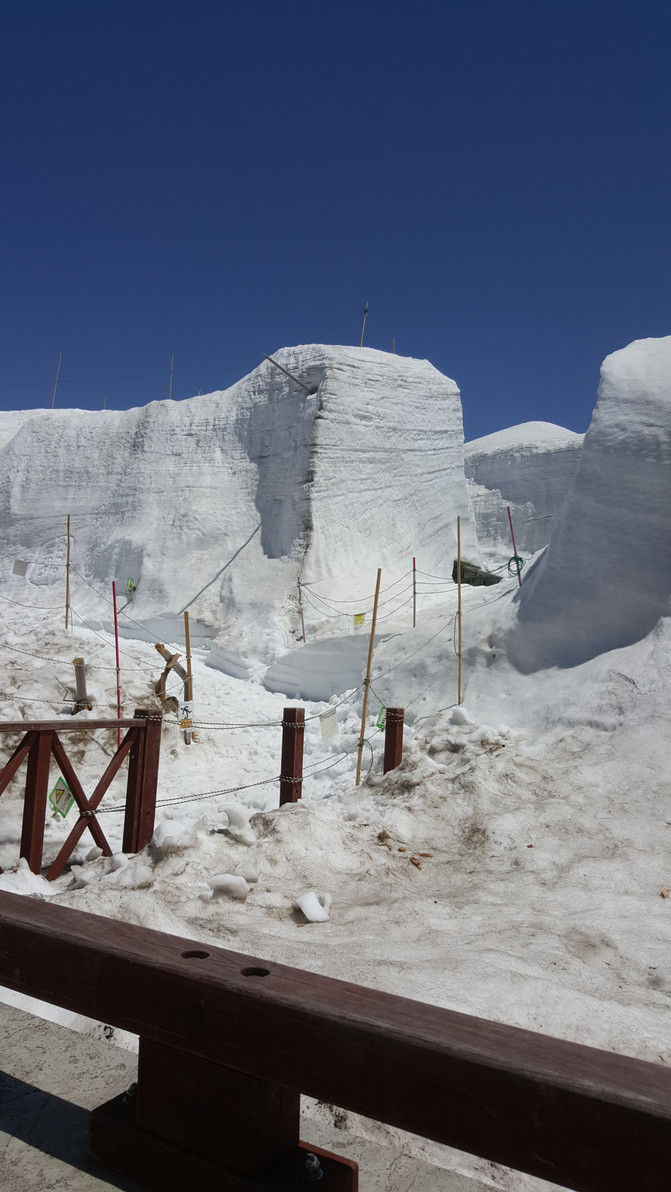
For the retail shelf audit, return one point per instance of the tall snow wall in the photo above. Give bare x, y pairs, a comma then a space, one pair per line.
529, 468
605, 579
217, 504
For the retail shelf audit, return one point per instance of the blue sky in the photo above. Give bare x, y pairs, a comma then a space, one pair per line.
216, 180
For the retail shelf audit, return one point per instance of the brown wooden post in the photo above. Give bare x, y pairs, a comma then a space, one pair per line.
143, 765
291, 772
35, 805
393, 739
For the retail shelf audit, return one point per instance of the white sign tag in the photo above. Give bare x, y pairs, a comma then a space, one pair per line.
186, 714
328, 723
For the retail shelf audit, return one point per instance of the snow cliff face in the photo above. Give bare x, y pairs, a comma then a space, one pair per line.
605, 579
529, 468
213, 503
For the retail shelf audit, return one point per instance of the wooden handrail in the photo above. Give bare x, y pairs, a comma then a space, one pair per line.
584, 1118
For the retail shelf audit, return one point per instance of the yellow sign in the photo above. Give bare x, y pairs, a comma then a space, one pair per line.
359, 619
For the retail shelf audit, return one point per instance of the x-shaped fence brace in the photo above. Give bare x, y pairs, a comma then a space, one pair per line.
41, 742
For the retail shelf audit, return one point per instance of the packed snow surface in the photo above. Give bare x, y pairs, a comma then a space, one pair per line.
219, 504
605, 579
528, 468
516, 865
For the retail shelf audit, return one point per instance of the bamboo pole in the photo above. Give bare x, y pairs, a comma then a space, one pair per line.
172, 365
118, 667
58, 373
67, 579
459, 609
300, 605
366, 682
188, 686
365, 316
290, 375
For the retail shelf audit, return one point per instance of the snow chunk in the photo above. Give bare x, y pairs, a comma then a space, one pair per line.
314, 906
170, 836
229, 885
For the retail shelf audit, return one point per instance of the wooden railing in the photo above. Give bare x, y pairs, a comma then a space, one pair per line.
41, 741
228, 1042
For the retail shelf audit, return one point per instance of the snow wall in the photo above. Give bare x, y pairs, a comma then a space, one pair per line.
210, 504
605, 579
529, 468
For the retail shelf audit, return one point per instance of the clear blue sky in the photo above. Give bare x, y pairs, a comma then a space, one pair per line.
220, 179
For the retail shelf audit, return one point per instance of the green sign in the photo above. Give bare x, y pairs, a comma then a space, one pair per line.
61, 797
382, 717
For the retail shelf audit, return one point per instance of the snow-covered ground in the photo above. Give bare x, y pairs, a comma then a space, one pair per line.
513, 866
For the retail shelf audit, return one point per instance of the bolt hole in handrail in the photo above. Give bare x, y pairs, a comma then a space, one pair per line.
195, 955
255, 972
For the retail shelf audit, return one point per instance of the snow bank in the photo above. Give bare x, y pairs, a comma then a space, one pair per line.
529, 468
605, 578
255, 486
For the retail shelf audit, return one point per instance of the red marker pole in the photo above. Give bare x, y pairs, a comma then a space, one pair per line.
512, 535
118, 684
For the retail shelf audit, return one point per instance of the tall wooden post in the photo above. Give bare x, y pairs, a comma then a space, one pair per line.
187, 719
366, 682
172, 364
365, 316
67, 579
414, 593
58, 373
393, 739
459, 609
291, 772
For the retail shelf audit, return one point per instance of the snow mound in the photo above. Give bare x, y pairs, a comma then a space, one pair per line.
605, 579
529, 468
355, 464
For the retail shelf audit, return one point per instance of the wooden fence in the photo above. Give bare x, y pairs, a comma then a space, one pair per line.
228, 1042
41, 741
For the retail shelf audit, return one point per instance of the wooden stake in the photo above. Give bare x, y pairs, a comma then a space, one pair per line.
366, 682
172, 364
67, 579
291, 776
82, 699
459, 608
365, 316
188, 686
58, 372
414, 593
393, 345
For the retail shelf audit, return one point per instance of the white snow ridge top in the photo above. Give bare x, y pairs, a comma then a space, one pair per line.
217, 504
605, 579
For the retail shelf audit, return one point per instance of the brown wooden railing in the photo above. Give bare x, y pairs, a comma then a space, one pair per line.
228, 1042
41, 741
